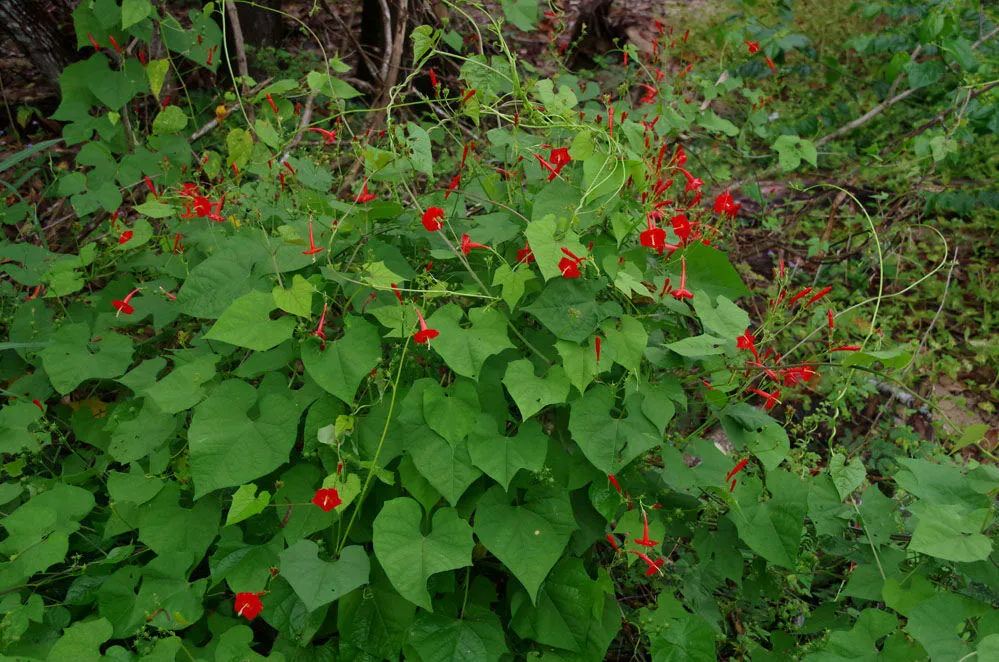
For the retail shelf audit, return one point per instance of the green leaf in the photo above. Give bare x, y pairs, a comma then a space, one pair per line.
959, 48
421, 155
342, 365
246, 503
792, 149
608, 442
133, 11
527, 538
501, 457
710, 271
411, 557
439, 638
423, 37
247, 323
319, 582
81, 642
512, 281
773, 528
156, 71
155, 209
240, 144
544, 237
169, 120
466, 349
747, 426
700, 346
214, 284
846, 477
710, 121
521, 13
73, 357
296, 300
228, 448
569, 309
580, 363
573, 612
373, 621
624, 342
950, 533
727, 320
531, 393
923, 74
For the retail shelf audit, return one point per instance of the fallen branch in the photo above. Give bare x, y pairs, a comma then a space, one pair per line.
213, 123
237, 38
303, 124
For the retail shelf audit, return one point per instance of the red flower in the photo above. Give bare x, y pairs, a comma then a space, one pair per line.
644, 541
683, 292
559, 157
725, 204
329, 137
189, 190
248, 605
797, 374
613, 542
681, 226
818, 295
747, 341
738, 467
433, 78
650, 94
770, 63
613, 481
654, 237
364, 196
525, 254
771, 398
455, 182
693, 183
467, 244
327, 499
846, 348
753, 46
432, 219
125, 237
123, 305
319, 333
270, 100
150, 186
654, 566
831, 322
216, 215
569, 266
798, 295
596, 347
396, 292
313, 249
425, 334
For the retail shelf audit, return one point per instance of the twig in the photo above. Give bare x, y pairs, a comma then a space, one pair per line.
387, 51
303, 124
237, 37
985, 38
212, 123
938, 118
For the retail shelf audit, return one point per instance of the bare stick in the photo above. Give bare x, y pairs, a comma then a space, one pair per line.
237, 37
213, 123
387, 51
303, 124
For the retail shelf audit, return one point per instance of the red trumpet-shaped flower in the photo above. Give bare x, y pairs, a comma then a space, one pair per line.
737, 468
683, 292
771, 399
644, 540
559, 157
216, 214
425, 334
432, 219
455, 183
313, 249
525, 254
329, 136
327, 499
725, 204
654, 237
125, 237
747, 341
613, 481
818, 295
569, 266
319, 333
467, 244
596, 347
123, 305
248, 605
396, 292
681, 227
650, 94
693, 183
653, 566
613, 542
753, 46
846, 348
364, 195
832, 323
803, 373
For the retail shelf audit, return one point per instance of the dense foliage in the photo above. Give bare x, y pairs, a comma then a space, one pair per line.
474, 381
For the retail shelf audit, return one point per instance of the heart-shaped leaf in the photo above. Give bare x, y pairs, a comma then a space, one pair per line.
531, 393
319, 582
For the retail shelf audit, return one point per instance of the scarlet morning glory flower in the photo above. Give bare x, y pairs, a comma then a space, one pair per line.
818, 295
654, 237
846, 348
650, 94
216, 215
123, 305
771, 398
525, 254
653, 566
364, 195
425, 334
559, 157
753, 46
737, 468
189, 190
569, 266
432, 219
319, 333
693, 183
613, 481
644, 541
455, 183
125, 237
725, 204
681, 226
683, 292
327, 499
329, 137
792, 376
248, 605
313, 249
747, 341
596, 347
467, 244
